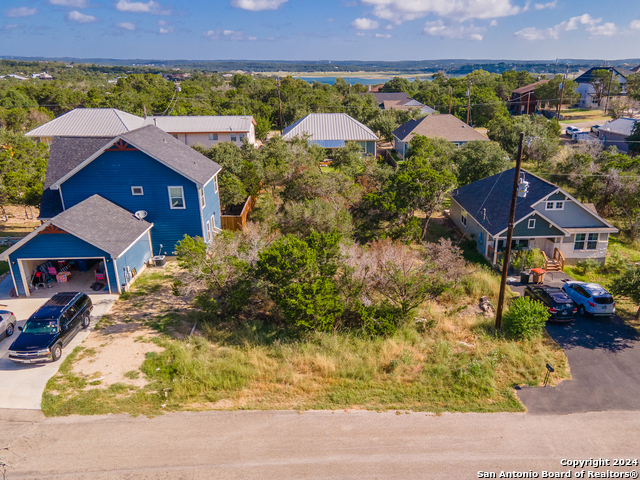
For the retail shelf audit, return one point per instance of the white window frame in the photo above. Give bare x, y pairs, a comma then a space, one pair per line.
531, 223
213, 137
215, 182
463, 218
234, 137
587, 241
213, 222
209, 231
555, 205
133, 192
203, 201
184, 204
241, 136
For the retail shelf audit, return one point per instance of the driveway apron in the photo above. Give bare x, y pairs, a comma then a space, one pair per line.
604, 357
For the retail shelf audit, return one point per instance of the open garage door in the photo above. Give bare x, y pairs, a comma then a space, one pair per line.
48, 276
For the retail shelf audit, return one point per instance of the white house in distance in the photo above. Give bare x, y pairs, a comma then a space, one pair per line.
110, 122
207, 130
435, 126
588, 93
332, 130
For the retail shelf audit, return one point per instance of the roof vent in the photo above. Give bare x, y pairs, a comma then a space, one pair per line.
140, 214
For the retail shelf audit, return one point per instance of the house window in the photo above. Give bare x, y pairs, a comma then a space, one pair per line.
203, 202
463, 218
209, 234
554, 206
532, 223
213, 222
137, 191
586, 241
176, 197
213, 136
233, 137
215, 183
241, 136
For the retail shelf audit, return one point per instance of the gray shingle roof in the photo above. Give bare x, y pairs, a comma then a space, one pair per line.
621, 126
173, 153
69, 153
102, 224
66, 153
88, 122
329, 126
494, 194
438, 126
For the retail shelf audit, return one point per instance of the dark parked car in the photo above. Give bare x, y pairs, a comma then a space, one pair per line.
51, 328
561, 307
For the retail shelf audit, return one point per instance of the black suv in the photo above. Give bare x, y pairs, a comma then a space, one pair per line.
51, 328
561, 307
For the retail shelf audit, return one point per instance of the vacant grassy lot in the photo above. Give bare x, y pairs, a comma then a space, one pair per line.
449, 358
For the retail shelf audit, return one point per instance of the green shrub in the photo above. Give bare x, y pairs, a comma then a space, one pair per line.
588, 265
525, 318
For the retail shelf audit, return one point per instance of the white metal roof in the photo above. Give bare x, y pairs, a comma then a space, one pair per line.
202, 124
329, 126
621, 126
88, 122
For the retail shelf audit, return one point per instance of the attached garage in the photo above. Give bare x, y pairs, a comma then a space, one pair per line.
93, 244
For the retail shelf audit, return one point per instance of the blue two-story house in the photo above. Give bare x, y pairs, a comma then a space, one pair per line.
109, 185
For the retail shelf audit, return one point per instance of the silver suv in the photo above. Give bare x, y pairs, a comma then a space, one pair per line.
590, 298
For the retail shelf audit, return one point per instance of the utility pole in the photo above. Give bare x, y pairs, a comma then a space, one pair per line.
468, 103
528, 103
450, 93
507, 250
279, 103
562, 91
606, 105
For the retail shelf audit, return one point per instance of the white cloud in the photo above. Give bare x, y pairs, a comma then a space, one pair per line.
607, 29
11, 27
234, 35
364, 24
542, 6
257, 5
362, 34
553, 33
78, 17
398, 11
635, 25
141, 7
20, 12
440, 29
127, 26
166, 31
494, 23
383, 35
70, 3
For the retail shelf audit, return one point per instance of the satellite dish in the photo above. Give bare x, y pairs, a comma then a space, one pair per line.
140, 214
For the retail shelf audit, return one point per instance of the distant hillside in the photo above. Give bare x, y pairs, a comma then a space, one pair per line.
449, 66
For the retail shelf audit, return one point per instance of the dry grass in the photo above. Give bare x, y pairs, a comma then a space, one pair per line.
451, 360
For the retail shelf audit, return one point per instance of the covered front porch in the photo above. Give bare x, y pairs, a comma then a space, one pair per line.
550, 248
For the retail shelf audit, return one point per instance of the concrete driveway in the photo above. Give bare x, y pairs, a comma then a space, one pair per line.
21, 386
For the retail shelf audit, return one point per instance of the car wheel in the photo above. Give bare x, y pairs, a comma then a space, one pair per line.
56, 352
9, 331
86, 320
582, 311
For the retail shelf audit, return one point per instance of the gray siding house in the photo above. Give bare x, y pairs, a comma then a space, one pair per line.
435, 126
548, 218
615, 133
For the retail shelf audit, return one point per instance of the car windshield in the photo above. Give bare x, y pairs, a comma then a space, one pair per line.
41, 327
604, 300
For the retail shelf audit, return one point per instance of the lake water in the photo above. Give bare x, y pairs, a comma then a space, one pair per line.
352, 80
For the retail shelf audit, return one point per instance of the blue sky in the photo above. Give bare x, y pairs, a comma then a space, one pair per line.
321, 30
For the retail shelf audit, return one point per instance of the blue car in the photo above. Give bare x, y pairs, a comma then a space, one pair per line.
590, 298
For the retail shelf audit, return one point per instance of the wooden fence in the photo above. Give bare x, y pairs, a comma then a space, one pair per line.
238, 222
